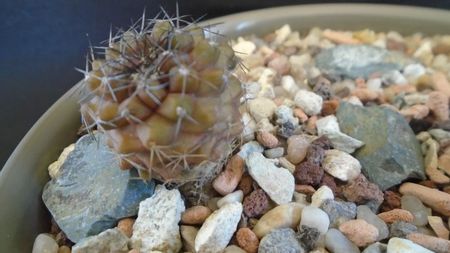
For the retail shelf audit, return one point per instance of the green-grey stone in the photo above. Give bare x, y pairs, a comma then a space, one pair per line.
391, 152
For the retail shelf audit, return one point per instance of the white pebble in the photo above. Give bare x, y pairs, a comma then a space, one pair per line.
354, 100
282, 34
322, 194
394, 77
341, 165
288, 83
399, 245
244, 48
314, 217
250, 147
309, 102
261, 108
249, 127
236, 196
298, 61
413, 71
374, 84
329, 126
44, 243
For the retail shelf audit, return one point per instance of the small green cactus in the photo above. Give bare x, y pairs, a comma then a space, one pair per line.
165, 96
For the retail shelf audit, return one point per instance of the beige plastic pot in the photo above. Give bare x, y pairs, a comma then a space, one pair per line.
22, 213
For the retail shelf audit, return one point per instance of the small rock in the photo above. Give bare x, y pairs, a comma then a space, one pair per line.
440, 83
247, 240
233, 249
391, 152
280, 64
281, 34
249, 127
391, 201
394, 77
65, 249
339, 37
416, 208
314, 217
126, 226
414, 71
341, 165
248, 148
246, 184
329, 107
438, 227
301, 115
156, 227
359, 232
308, 237
308, 173
288, 83
374, 84
44, 243
432, 243
366, 214
283, 216
244, 48
265, 125
111, 240
280, 240
301, 198
195, 215
338, 211
398, 245
376, 248
322, 87
212, 203
329, 126
308, 101
305, 189
219, 227
284, 115
274, 153
297, 147
236, 196
415, 112
267, 139
336, 242
439, 201
331, 183
261, 108
438, 104
54, 168
361, 191
278, 183
322, 194
415, 98
396, 215
401, 229
188, 234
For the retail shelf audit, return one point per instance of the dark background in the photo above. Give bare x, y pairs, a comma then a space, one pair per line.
41, 42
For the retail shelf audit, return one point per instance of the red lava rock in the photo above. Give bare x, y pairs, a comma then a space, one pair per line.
361, 191
329, 107
256, 204
392, 200
315, 154
308, 173
228, 179
246, 184
247, 240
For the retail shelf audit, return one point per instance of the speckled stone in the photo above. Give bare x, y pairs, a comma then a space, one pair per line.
280, 240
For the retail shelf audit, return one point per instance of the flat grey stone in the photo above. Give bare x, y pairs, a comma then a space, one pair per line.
401, 229
91, 192
280, 241
111, 240
339, 211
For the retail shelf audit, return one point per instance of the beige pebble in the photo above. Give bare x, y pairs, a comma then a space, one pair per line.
339, 37
64, 249
233, 249
229, 178
301, 115
431, 163
437, 224
247, 240
396, 215
284, 162
359, 232
439, 201
188, 234
438, 104
365, 94
126, 226
435, 244
280, 64
444, 161
283, 216
297, 148
305, 189
311, 125
267, 139
440, 83
212, 203
195, 215
416, 111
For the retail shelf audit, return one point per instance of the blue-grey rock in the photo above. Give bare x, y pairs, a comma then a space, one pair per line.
280, 241
391, 152
336, 242
376, 248
365, 213
339, 211
91, 192
111, 240
353, 61
401, 229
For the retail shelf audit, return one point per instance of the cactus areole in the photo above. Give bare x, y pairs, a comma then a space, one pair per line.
165, 96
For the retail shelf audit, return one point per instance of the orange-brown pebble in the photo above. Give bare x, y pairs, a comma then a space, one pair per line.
64, 249
428, 183
195, 215
228, 179
365, 94
339, 37
396, 215
439, 201
444, 160
416, 111
247, 240
305, 189
126, 226
246, 184
329, 107
301, 115
437, 224
267, 139
435, 244
359, 232
438, 104
440, 83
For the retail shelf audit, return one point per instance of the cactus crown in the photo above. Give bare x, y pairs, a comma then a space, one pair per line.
164, 95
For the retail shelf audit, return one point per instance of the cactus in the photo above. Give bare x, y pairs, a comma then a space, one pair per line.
165, 96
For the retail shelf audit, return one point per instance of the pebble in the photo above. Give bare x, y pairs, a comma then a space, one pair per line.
54, 168
338, 211
275, 153
341, 165
280, 64
212, 203
437, 224
249, 127
308, 173
374, 84
282, 34
288, 83
308, 237
308, 101
416, 208
401, 229
432, 243
364, 213
376, 248
233, 249
236, 196
394, 77
415, 112
414, 71
396, 215
64, 249
314, 217
441, 83
280, 240
392, 200
438, 104
111, 240
244, 48
44, 243
301, 115
336, 242
267, 139
126, 226
195, 215
329, 126
359, 232
321, 194
248, 148
261, 108
246, 184
415, 98
306, 189
301, 198
156, 227
285, 115
399, 245
297, 147
188, 234
361, 191
219, 227
247, 240
339, 37
283, 216
278, 183
439, 201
